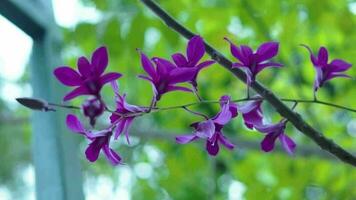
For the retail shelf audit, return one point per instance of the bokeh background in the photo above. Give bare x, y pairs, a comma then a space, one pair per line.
158, 168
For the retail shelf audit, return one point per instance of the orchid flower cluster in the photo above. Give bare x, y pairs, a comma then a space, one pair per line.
166, 76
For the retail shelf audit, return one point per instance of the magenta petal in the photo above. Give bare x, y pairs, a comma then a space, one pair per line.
180, 75
251, 105
195, 50
318, 77
339, 65
246, 51
183, 139
205, 64
287, 143
93, 150
267, 51
106, 78
111, 155
226, 142
84, 66
115, 88
171, 88
267, 144
99, 60
260, 67
253, 119
269, 127
180, 60
205, 129
163, 66
148, 66
224, 116
236, 52
312, 57
81, 90
74, 124
145, 78
226, 100
120, 126
323, 56
212, 147
128, 123
336, 75
96, 134
68, 76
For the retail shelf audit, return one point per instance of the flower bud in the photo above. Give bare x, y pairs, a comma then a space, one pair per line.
93, 108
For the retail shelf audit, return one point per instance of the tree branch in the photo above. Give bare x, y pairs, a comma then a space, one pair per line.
280, 107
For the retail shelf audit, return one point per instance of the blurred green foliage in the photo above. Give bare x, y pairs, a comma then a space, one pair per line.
187, 172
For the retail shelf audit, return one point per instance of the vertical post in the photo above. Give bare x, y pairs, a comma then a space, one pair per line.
55, 150
57, 168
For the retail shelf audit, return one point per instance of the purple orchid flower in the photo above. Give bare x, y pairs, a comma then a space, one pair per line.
273, 132
326, 71
195, 51
93, 108
252, 113
122, 107
211, 129
253, 63
90, 78
165, 75
99, 141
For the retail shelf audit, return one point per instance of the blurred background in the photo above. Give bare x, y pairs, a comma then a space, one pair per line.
158, 168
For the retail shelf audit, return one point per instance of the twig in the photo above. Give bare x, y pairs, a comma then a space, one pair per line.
280, 107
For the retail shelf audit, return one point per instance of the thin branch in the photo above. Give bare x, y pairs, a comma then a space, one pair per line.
280, 107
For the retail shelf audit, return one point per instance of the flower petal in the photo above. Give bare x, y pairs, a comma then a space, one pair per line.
254, 118
246, 51
205, 129
226, 142
184, 139
195, 50
99, 60
171, 88
335, 75
111, 155
205, 64
287, 143
119, 127
312, 56
267, 51
249, 106
267, 143
180, 75
93, 150
180, 60
74, 124
67, 76
128, 123
84, 66
236, 52
323, 56
212, 147
145, 78
148, 66
260, 67
163, 66
338, 65
224, 116
81, 90
268, 128
106, 78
